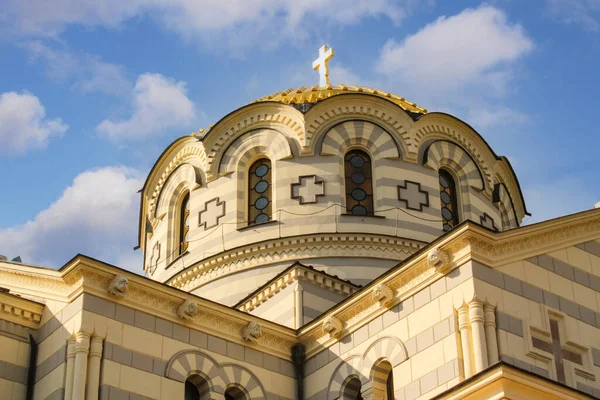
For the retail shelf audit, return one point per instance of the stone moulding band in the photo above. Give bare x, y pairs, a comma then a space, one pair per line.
293, 248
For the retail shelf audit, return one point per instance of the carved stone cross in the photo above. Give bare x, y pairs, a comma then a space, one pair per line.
413, 196
213, 211
487, 221
557, 350
307, 189
154, 258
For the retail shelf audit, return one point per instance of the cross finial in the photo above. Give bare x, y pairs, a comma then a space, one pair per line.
321, 64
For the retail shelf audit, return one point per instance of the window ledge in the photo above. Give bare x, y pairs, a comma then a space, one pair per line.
248, 227
185, 253
364, 216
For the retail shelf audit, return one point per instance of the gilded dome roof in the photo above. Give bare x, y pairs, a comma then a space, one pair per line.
314, 94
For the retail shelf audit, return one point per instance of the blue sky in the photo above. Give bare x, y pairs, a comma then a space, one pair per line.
92, 91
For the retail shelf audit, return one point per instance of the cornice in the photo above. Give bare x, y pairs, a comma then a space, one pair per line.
20, 311
297, 273
465, 243
292, 249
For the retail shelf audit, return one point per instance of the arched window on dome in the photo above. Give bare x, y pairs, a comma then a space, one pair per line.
260, 197
359, 183
448, 199
196, 388
183, 224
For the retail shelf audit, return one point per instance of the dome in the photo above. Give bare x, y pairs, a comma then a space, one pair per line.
347, 179
314, 94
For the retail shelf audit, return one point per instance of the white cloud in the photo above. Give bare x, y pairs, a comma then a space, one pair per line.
454, 51
86, 72
23, 125
585, 13
158, 103
500, 116
96, 216
461, 64
216, 23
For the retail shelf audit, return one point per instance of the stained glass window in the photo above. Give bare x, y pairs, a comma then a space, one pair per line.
448, 200
184, 223
259, 192
359, 183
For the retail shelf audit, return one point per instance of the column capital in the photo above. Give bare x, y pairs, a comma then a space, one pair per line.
476, 310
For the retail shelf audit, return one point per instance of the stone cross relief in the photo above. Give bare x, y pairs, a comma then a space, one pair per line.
413, 196
307, 189
212, 213
154, 258
488, 222
558, 351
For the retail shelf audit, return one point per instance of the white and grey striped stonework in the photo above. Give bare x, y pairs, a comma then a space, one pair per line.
291, 218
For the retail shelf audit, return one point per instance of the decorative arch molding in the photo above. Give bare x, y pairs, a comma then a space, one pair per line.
268, 142
347, 369
184, 177
362, 133
442, 153
362, 367
503, 200
331, 112
192, 153
219, 376
234, 375
286, 119
389, 348
190, 362
439, 126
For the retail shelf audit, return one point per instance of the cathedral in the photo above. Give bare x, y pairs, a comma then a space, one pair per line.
320, 243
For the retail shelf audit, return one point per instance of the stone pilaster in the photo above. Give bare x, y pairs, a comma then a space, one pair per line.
82, 349
480, 350
465, 339
93, 373
70, 368
490, 332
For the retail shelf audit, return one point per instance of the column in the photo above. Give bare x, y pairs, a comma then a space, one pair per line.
82, 348
70, 368
490, 332
478, 332
93, 375
463, 328
299, 305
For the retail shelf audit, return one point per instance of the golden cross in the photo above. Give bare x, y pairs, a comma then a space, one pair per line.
321, 64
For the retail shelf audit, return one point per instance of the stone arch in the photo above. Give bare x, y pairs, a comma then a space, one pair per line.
388, 347
351, 388
350, 367
201, 383
185, 177
359, 133
236, 376
503, 200
190, 362
288, 120
271, 143
357, 106
442, 153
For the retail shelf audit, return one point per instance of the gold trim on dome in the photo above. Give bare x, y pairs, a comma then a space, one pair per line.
314, 94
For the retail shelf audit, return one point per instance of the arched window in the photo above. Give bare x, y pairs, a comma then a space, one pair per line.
383, 379
352, 389
183, 224
260, 198
234, 393
197, 388
448, 200
359, 183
